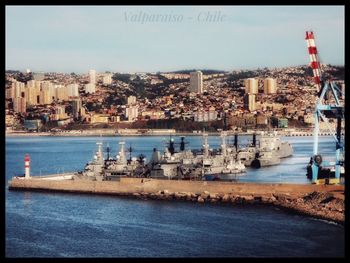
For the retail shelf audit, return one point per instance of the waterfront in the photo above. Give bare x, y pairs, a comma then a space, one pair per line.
39, 224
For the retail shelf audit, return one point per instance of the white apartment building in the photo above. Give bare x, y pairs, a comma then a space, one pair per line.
196, 82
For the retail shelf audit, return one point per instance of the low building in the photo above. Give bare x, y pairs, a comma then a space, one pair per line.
99, 118
9, 121
282, 123
261, 119
32, 125
63, 122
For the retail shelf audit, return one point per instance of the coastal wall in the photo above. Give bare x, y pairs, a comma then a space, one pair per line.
139, 185
319, 201
108, 133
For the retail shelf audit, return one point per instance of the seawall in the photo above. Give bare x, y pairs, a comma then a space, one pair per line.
320, 201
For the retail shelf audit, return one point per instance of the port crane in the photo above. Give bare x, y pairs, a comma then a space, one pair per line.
327, 104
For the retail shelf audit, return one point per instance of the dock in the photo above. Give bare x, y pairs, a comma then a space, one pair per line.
320, 201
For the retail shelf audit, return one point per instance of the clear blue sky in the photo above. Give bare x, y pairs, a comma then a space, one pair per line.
114, 38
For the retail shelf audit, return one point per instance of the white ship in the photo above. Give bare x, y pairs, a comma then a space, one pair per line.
267, 152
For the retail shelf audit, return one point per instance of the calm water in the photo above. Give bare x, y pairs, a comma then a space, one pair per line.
68, 225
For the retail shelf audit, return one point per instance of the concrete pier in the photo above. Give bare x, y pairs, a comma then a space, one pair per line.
321, 201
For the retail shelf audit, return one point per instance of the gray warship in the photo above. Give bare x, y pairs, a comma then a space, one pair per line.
225, 163
187, 164
267, 151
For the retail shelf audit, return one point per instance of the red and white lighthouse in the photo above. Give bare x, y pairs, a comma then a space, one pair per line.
314, 59
27, 166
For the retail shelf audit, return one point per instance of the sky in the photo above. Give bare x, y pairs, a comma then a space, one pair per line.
168, 38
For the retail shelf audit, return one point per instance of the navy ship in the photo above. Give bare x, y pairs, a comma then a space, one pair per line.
226, 163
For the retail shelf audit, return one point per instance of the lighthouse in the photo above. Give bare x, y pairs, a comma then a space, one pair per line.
27, 166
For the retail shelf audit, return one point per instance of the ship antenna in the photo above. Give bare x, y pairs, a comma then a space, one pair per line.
130, 150
108, 151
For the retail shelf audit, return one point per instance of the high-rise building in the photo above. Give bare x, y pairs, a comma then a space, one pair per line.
72, 90
44, 97
77, 106
107, 79
251, 86
249, 102
10, 93
19, 105
31, 94
61, 93
131, 100
92, 76
196, 82
34, 87
18, 89
31, 83
270, 86
131, 113
47, 93
90, 88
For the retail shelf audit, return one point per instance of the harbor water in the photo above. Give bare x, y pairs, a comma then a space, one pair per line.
71, 225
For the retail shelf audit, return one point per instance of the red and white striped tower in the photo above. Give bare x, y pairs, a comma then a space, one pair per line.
314, 60
27, 166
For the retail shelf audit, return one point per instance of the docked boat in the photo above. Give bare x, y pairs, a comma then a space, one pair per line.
226, 162
187, 164
273, 142
267, 151
265, 158
111, 169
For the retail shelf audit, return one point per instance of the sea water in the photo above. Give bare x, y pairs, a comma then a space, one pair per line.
74, 225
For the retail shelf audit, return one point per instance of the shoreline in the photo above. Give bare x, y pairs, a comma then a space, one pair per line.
324, 202
68, 134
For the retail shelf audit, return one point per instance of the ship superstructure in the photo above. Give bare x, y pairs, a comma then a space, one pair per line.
225, 163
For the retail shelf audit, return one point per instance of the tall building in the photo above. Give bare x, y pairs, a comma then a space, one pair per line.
132, 113
77, 106
19, 105
249, 102
31, 94
10, 93
18, 89
92, 76
47, 93
251, 86
44, 97
31, 83
196, 82
90, 88
61, 92
33, 91
270, 86
107, 79
73, 90
131, 100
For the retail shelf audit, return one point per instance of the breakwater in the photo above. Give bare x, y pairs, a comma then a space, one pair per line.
319, 201
114, 133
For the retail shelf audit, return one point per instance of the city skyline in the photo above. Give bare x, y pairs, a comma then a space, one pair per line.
153, 38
